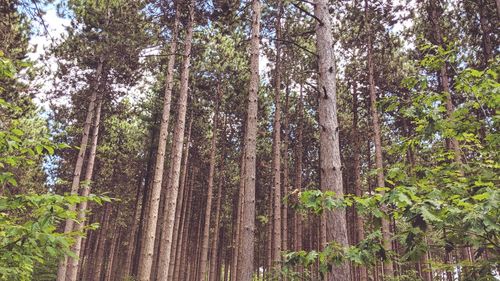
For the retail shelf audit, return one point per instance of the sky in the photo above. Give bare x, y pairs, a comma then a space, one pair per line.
56, 29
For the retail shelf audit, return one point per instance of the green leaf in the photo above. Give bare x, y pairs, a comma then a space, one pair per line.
17, 132
481, 197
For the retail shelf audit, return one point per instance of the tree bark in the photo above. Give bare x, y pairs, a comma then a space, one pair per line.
245, 265
77, 246
377, 139
485, 30
101, 243
75, 185
180, 208
215, 243
452, 144
276, 210
298, 172
147, 250
360, 229
208, 206
286, 176
182, 266
330, 163
129, 253
177, 145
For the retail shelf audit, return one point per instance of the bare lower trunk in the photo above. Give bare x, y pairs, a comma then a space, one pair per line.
73, 263
180, 208
245, 265
101, 244
360, 229
129, 253
208, 206
237, 221
330, 164
215, 242
147, 250
298, 172
182, 268
286, 177
276, 208
75, 185
177, 144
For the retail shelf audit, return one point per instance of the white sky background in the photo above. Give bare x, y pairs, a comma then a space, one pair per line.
56, 29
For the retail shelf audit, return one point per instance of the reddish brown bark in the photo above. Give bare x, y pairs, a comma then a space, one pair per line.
147, 250
334, 223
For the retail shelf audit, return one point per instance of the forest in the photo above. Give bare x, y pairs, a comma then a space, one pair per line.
216, 140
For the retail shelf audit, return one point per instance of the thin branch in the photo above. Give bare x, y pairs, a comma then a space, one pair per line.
308, 13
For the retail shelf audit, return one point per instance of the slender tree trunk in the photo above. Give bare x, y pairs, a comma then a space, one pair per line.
485, 30
101, 244
75, 185
115, 239
237, 221
147, 251
435, 13
177, 145
129, 253
95, 235
270, 227
215, 242
73, 263
208, 207
286, 177
145, 201
180, 208
360, 229
298, 172
197, 249
182, 268
245, 265
377, 139
330, 164
276, 210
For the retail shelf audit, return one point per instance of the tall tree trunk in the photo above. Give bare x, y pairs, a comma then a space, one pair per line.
360, 228
377, 139
73, 263
177, 145
245, 265
113, 241
101, 243
298, 171
147, 251
180, 208
208, 207
75, 185
276, 210
146, 196
129, 253
182, 266
485, 30
237, 220
330, 164
286, 176
215, 242
435, 13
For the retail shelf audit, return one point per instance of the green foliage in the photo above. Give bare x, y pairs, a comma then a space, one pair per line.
28, 217
436, 200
